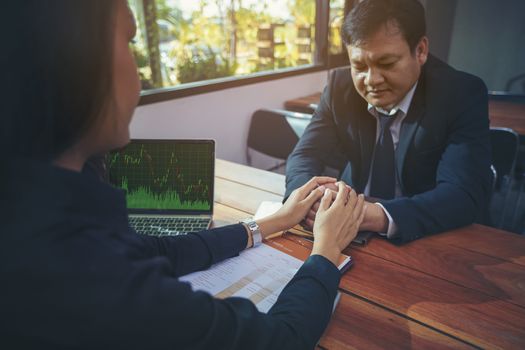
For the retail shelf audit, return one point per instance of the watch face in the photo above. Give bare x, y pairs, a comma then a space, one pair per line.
251, 224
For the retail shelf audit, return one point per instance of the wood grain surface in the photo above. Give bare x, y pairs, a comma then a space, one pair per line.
261, 179
490, 241
507, 115
490, 275
463, 288
357, 324
466, 313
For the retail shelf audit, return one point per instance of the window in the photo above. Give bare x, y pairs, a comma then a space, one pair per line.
337, 14
183, 43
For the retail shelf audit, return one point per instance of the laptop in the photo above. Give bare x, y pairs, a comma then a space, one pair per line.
168, 184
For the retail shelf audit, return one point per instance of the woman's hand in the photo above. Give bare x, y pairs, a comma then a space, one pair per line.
296, 206
308, 222
301, 200
336, 225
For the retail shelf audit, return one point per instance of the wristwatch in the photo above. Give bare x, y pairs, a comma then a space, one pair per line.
254, 230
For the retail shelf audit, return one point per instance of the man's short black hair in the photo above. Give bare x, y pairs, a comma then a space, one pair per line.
367, 17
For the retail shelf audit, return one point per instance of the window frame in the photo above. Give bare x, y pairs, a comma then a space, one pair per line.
323, 61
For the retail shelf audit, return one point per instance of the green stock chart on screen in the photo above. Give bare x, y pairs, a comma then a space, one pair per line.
164, 175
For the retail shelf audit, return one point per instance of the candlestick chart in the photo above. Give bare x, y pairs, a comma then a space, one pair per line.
164, 176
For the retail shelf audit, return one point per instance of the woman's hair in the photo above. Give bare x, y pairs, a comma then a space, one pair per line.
57, 67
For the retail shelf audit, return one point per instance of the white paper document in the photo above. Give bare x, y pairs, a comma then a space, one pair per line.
259, 274
267, 208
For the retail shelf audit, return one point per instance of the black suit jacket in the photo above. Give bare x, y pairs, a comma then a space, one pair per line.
442, 159
76, 276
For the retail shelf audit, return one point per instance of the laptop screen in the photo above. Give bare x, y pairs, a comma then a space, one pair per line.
163, 176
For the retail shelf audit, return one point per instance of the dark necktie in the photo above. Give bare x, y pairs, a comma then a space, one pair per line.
383, 181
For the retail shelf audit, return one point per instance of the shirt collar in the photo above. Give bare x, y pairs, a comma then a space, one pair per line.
402, 106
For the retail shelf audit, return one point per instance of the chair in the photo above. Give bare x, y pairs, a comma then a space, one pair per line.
494, 178
518, 216
275, 132
505, 145
517, 81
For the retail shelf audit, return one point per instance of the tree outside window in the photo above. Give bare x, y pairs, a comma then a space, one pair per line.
183, 41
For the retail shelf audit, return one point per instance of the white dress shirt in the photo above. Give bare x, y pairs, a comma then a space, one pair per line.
395, 129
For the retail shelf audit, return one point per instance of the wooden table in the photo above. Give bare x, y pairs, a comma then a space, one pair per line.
460, 289
501, 114
306, 104
507, 115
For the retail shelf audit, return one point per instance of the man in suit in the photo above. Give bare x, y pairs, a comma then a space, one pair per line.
400, 126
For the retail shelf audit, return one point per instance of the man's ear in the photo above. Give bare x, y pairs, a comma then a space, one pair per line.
422, 51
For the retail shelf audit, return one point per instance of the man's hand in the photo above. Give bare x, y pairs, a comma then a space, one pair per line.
309, 220
375, 219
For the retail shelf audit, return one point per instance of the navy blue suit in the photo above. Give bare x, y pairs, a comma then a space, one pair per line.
442, 159
76, 276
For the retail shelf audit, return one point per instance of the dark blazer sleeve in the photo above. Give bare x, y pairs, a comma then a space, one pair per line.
129, 301
318, 146
199, 250
463, 177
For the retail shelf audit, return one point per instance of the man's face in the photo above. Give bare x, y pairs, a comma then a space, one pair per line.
384, 68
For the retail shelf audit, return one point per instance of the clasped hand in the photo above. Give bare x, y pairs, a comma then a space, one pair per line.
337, 213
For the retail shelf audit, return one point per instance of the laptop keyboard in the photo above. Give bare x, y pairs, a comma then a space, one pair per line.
169, 226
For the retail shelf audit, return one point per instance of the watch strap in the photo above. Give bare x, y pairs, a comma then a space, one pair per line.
254, 230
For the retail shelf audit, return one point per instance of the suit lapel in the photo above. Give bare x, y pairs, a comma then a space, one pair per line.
409, 127
365, 125
367, 140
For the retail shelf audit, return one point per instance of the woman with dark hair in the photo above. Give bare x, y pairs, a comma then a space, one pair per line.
74, 274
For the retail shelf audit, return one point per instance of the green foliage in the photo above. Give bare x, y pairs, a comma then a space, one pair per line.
303, 11
196, 46
336, 21
140, 57
169, 13
203, 64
